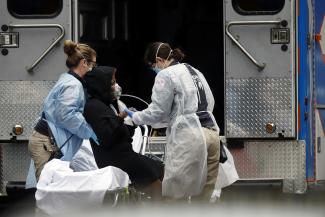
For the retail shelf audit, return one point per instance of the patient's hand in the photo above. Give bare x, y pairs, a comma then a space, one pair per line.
123, 114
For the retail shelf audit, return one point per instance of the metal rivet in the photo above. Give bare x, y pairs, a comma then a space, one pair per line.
18, 129
284, 47
270, 128
4, 28
4, 52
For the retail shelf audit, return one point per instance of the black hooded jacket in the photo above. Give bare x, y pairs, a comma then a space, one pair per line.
115, 142
110, 129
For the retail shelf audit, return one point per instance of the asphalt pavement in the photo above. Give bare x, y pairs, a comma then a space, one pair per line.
237, 200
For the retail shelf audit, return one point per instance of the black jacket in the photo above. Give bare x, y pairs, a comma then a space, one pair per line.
115, 147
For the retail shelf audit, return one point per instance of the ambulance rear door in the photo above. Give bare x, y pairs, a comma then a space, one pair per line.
31, 59
260, 69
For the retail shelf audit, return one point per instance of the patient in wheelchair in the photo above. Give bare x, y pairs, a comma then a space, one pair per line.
114, 147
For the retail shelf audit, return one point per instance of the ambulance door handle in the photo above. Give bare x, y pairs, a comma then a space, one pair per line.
259, 65
55, 42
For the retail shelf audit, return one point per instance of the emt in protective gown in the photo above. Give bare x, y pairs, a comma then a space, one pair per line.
62, 126
182, 98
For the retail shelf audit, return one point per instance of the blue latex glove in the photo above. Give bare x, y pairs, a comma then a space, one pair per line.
129, 112
94, 137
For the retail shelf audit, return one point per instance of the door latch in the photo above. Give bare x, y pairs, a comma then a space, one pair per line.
9, 39
280, 35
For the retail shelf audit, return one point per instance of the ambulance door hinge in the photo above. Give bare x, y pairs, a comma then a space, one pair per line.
306, 116
306, 100
308, 41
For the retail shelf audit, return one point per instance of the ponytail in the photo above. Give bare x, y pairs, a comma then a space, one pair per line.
178, 55
162, 50
76, 52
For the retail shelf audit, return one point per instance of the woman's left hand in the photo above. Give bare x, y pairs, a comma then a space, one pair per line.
123, 114
128, 112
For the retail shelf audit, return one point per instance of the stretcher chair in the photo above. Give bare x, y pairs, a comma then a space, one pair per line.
68, 186
227, 173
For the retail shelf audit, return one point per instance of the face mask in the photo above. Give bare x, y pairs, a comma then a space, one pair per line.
117, 92
156, 69
91, 68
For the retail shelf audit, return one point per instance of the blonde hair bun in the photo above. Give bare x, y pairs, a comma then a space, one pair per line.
70, 47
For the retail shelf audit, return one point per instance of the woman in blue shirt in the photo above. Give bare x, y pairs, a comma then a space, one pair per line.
62, 126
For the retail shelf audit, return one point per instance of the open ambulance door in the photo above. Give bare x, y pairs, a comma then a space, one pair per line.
260, 69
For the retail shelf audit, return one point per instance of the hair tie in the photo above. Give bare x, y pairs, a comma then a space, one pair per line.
170, 52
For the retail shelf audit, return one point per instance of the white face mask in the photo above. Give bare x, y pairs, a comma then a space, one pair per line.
117, 92
93, 66
89, 68
156, 69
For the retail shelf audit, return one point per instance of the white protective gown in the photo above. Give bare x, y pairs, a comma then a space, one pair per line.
174, 99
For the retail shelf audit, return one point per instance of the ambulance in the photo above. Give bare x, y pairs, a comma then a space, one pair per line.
264, 61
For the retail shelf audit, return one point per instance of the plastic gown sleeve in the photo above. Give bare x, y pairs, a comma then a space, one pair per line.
161, 102
67, 114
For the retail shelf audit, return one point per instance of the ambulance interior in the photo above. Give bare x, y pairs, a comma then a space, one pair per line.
120, 31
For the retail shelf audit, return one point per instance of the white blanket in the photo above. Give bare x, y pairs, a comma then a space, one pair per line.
84, 159
60, 189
